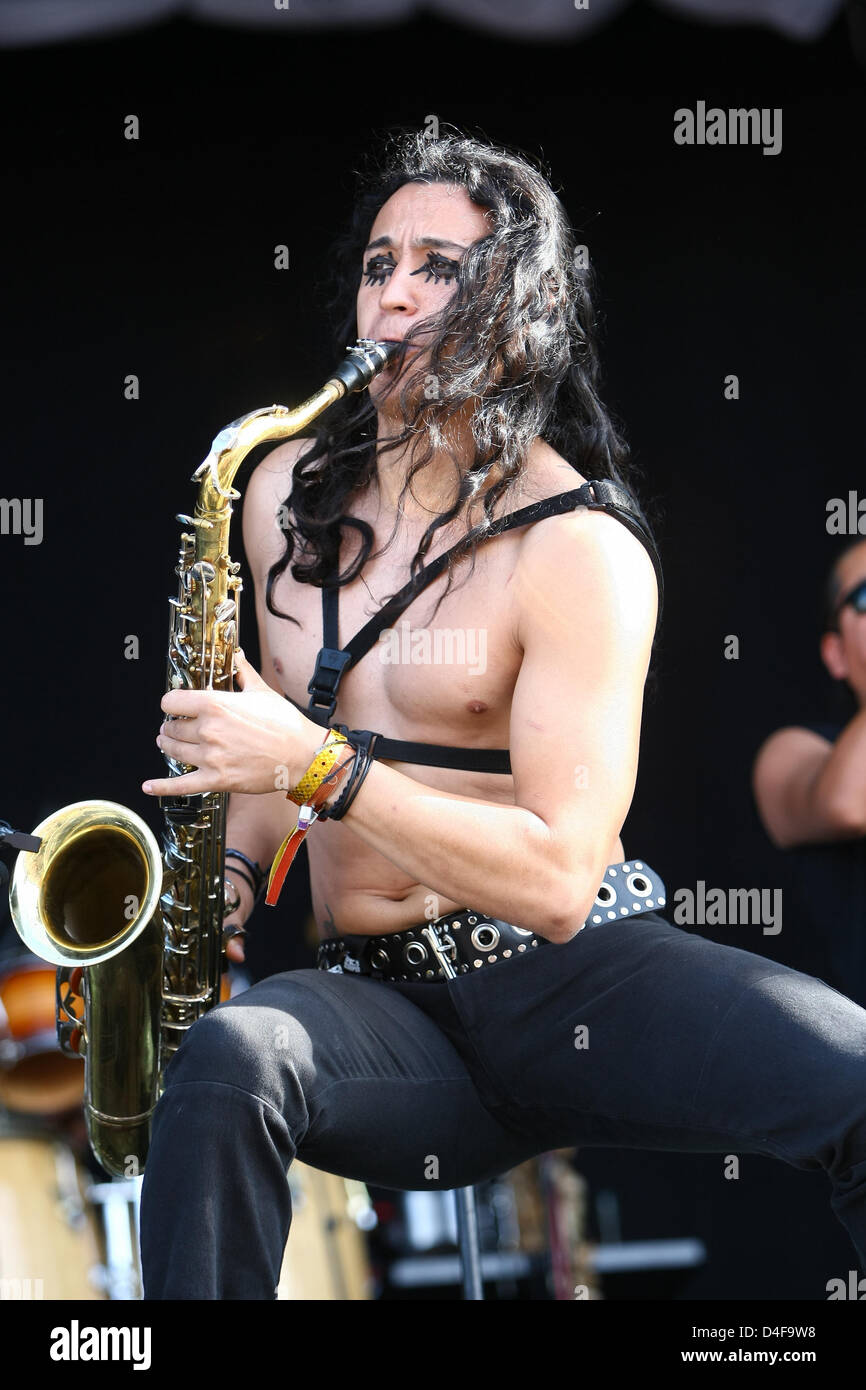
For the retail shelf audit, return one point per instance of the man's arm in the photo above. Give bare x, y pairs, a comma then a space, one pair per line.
810, 791
586, 599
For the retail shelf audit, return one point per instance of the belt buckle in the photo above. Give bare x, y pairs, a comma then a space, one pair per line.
444, 948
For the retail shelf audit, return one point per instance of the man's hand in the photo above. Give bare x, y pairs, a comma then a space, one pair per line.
250, 740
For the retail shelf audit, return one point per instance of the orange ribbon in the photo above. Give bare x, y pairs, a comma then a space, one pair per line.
306, 817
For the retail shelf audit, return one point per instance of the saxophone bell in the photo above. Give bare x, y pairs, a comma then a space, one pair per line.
91, 887
88, 898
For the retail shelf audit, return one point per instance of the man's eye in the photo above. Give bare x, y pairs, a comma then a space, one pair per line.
377, 269
438, 268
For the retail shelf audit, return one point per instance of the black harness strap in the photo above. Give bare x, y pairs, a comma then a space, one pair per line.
428, 754
332, 661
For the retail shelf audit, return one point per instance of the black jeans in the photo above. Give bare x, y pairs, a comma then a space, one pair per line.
635, 1034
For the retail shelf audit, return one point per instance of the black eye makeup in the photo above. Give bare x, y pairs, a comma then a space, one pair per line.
438, 268
377, 268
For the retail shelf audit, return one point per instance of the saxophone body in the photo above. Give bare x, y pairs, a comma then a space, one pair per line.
138, 935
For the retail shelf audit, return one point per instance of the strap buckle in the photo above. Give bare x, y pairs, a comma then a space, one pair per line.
322, 689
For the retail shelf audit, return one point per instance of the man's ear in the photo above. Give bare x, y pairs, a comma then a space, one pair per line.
833, 656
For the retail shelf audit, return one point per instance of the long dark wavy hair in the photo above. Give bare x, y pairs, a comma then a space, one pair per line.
513, 351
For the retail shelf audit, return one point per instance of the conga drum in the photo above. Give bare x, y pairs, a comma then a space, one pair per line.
35, 1076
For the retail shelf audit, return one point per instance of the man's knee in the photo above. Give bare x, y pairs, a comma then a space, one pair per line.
255, 1047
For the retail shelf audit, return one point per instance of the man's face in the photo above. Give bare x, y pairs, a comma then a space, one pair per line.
844, 652
410, 266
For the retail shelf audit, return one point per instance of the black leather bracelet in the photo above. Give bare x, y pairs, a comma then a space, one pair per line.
257, 872
234, 873
335, 812
363, 741
357, 784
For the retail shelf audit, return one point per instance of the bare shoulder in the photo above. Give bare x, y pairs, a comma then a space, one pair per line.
587, 534
265, 498
272, 476
787, 752
588, 564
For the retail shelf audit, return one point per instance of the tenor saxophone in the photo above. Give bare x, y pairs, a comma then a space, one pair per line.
138, 936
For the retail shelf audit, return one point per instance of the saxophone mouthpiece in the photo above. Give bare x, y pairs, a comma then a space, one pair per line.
390, 347
364, 360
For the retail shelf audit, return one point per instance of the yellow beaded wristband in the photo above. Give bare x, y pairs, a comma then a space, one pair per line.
323, 763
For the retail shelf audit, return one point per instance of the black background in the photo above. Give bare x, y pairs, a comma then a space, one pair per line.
156, 257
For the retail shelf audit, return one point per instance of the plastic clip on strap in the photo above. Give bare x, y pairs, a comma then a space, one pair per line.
318, 783
322, 689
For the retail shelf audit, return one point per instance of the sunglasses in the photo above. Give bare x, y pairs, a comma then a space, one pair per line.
857, 600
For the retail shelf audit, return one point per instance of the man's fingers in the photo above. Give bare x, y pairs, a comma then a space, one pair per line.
191, 784
179, 749
188, 702
187, 730
247, 676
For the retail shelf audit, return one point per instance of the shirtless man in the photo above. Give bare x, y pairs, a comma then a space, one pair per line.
371, 1075
546, 677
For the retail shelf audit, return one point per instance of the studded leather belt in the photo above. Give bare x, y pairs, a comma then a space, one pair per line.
465, 941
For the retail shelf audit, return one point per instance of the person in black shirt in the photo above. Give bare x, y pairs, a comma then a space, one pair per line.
810, 788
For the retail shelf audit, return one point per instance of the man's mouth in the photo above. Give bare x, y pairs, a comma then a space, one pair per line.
400, 358
394, 357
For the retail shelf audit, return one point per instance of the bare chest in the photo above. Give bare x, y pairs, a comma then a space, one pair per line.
444, 680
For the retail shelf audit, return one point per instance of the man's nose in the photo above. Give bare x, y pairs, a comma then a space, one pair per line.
399, 292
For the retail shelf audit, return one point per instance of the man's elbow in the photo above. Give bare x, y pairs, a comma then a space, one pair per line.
844, 819
839, 819
569, 912
571, 890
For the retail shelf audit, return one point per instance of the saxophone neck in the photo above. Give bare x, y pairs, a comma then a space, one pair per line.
216, 474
